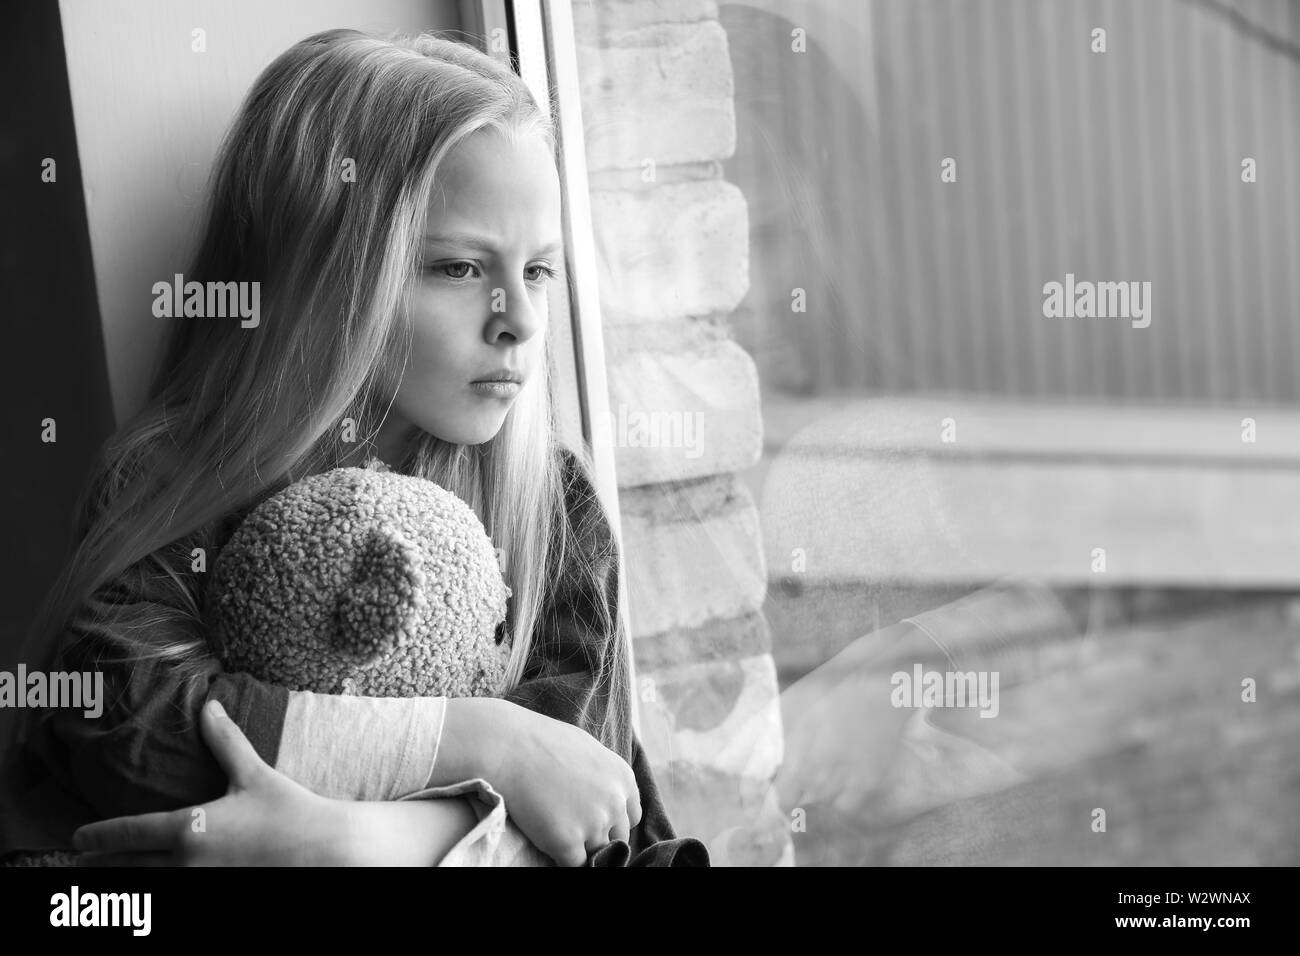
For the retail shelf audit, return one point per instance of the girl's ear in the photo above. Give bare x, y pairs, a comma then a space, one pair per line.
379, 607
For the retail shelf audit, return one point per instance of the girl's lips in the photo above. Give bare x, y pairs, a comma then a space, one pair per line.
496, 389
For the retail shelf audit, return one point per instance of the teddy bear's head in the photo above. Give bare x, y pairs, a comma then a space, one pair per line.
362, 581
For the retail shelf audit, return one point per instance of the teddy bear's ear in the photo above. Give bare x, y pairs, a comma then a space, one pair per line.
379, 607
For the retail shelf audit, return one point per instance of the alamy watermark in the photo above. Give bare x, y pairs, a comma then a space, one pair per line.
641, 429
1102, 300
75, 908
77, 690
922, 688
210, 300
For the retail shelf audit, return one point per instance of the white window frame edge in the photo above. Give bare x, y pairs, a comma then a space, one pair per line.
543, 43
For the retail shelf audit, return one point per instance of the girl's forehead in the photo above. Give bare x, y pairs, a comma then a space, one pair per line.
496, 183
492, 159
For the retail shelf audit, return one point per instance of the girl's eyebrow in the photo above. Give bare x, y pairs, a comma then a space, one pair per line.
467, 241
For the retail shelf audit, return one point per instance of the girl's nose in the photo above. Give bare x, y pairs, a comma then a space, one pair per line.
512, 312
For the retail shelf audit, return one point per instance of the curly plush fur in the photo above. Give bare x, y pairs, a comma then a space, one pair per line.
362, 581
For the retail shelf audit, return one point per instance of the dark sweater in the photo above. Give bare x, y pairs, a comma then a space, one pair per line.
145, 752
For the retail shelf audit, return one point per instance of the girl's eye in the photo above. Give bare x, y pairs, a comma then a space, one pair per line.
454, 270
539, 273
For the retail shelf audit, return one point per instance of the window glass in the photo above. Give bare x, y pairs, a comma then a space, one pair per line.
951, 361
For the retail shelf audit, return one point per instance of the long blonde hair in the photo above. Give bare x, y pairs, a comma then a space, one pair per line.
235, 414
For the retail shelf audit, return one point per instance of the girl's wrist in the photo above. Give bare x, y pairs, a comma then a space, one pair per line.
401, 833
345, 838
474, 732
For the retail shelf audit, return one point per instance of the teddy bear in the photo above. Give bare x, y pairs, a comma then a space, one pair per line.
368, 582
362, 581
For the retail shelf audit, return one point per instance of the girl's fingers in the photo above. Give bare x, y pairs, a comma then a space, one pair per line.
126, 859
634, 808
619, 830
229, 745
143, 833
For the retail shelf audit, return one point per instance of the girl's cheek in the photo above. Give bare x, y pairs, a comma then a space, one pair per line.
542, 306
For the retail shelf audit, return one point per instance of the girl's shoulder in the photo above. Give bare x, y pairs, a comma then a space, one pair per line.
588, 521
575, 470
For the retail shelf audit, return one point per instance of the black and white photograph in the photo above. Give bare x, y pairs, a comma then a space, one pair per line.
647, 433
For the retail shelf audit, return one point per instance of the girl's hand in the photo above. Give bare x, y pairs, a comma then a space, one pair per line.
567, 792
264, 818
267, 819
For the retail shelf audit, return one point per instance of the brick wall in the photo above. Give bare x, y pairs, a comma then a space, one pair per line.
673, 242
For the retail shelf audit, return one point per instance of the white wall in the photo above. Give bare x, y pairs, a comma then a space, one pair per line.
150, 113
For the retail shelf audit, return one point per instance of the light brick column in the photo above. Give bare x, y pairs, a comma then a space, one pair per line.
673, 243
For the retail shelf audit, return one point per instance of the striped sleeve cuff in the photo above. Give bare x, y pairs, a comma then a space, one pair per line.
361, 748
258, 709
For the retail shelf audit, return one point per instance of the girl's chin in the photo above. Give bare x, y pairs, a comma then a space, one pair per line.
482, 429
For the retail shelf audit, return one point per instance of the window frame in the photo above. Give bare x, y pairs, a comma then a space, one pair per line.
542, 49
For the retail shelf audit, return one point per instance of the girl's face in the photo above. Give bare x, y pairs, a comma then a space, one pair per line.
478, 310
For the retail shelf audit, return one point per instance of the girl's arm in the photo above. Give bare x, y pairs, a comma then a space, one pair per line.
144, 751
266, 818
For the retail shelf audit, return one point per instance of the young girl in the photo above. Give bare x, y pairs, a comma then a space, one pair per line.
398, 202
